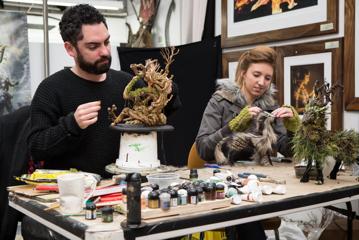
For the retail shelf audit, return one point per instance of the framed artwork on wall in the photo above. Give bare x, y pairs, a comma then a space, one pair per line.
301, 66
253, 22
351, 55
229, 63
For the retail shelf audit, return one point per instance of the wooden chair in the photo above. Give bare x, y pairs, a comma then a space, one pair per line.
195, 161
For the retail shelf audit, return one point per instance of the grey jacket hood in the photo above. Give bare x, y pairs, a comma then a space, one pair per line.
229, 86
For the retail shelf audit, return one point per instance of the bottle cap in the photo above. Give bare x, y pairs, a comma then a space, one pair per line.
107, 210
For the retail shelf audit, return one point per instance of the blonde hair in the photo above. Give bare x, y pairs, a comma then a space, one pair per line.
259, 54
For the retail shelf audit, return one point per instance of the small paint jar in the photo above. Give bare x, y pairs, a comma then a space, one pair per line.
174, 198
213, 191
144, 198
165, 201
206, 191
153, 200
107, 214
182, 195
216, 171
220, 191
192, 196
200, 194
90, 212
193, 175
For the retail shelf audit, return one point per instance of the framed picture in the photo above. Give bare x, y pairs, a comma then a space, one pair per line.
229, 64
252, 22
302, 81
302, 66
351, 55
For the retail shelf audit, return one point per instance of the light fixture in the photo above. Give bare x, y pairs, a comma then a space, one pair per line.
101, 5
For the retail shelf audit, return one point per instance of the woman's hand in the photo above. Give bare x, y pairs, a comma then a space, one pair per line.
283, 112
254, 111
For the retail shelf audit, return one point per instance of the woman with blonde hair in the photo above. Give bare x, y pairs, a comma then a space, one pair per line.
235, 105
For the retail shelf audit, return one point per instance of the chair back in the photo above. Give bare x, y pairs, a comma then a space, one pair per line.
194, 160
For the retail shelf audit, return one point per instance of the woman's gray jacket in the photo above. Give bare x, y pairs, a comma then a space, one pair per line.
225, 104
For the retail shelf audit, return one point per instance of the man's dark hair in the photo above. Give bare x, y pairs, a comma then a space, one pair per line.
73, 19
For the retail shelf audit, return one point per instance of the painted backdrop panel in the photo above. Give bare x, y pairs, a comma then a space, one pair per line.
14, 62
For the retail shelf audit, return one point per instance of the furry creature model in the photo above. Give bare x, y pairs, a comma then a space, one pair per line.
257, 142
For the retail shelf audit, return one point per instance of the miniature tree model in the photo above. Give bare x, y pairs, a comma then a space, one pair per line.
313, 142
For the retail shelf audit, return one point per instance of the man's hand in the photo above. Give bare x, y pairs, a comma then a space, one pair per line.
86, 114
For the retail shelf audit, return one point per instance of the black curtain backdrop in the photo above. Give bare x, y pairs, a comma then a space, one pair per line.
209, 22
195, 71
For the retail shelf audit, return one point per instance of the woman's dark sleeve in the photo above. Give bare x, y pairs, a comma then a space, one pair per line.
211, 130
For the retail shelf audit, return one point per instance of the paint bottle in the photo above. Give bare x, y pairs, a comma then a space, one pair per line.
200, 194
165, 201
182, 195
144, 199
107, 214
193, 175
206, 191
90, 212
192, 196
220, 191
213, 191
153, 200
174, 198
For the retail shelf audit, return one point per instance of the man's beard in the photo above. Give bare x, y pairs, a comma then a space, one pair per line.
97, 67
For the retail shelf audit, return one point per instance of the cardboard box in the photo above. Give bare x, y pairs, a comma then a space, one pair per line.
337, 230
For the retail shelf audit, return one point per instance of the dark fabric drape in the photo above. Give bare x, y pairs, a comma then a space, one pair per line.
195, 70
209, 22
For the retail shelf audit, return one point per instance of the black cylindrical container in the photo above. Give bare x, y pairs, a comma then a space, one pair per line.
133, 198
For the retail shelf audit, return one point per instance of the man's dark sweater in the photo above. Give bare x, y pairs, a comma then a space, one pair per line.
55, 136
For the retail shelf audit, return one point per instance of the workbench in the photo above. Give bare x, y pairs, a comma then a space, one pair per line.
299, 197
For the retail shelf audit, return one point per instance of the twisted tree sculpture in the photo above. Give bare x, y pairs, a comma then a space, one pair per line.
147, 103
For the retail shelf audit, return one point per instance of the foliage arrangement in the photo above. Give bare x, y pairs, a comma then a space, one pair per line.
313, 142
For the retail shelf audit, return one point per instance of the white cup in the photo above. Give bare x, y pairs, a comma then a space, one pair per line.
72, 190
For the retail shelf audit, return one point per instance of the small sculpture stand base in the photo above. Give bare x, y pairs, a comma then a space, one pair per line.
138, 149
114, 169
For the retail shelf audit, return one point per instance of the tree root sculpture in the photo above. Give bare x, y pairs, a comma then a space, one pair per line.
147, 103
